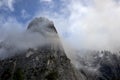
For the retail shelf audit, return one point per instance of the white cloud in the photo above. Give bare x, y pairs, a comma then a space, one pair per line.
7, 4
95, 26
10, 25
46, 0
24, 14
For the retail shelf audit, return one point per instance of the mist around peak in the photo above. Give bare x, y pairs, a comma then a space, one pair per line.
40, 32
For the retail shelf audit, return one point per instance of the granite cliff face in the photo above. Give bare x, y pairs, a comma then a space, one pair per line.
46, 62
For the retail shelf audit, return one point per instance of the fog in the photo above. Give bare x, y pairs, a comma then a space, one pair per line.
15, 37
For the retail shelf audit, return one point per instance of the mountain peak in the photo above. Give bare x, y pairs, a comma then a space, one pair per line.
47, 62
42, 25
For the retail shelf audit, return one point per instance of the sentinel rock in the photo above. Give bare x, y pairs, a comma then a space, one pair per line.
42, 25
40, 63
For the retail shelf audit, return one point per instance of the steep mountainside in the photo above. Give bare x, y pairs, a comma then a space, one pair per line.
46, 62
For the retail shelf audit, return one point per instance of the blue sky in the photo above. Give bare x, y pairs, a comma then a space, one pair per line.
25, 10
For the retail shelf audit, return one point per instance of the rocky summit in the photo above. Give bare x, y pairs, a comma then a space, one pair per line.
42, 25
39, 63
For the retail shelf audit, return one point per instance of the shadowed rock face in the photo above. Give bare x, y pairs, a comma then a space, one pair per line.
104, 66
42, 25
42, 63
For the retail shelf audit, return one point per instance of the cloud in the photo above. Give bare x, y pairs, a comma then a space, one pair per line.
7, 4
97, 25
9, 25
24, 14
90, 24
46, 1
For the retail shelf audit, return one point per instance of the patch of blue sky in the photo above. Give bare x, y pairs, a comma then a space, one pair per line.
31, 7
